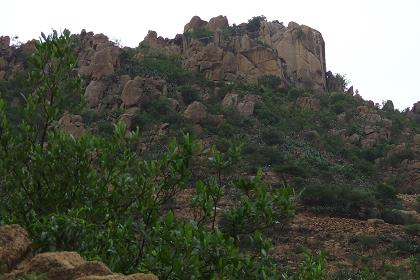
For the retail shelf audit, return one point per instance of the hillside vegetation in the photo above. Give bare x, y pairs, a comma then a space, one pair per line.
136, 158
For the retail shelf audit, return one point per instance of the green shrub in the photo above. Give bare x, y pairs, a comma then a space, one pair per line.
105, 127
293, 167
406, 246
340, 200
364, 241
313, 267
413, 229
272, 136
155, 63
188, 94
396, 158
385, 193
257, 208
254, 23
418, 203
199, 33
155, 112
270, 82
364, 167
415, 267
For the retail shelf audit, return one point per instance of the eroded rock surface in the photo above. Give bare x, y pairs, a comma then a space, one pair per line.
195, 112
295, 53
14, 246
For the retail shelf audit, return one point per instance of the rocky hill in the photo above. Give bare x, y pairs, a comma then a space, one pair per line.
265, 87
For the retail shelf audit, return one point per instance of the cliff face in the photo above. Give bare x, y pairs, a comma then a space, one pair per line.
295, 53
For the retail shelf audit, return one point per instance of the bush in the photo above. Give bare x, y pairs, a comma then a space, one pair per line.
418, 203
199, 33
413, 229
254, 24
270, 82
188, 94
271, 136
385, 193
396, 158
406, 246
312, 268
364, 241
155, 63
155, 112
340, 200
257, 208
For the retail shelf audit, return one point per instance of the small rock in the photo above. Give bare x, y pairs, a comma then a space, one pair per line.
72, 124
14, 246
230, 100
195, 112
375, 221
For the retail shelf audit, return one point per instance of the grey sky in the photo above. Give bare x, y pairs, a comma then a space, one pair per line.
376, 43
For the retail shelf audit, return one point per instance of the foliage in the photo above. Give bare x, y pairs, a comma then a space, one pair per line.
257, 208
312, 268
413, 229
340, 200
156, 112
415, 267
199, 33
188, 94
364, 241
254, 23
397, 157
336, 82
418, 204
270, 81
98, 196
152, 62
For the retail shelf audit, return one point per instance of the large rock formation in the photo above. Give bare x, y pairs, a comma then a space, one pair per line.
195, 112
140, 90
295, 53
98, 57
13, 58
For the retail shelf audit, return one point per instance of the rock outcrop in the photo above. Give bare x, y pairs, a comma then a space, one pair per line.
14, 246
17, 263
12, 60
140, 90
295, 53
308, 103
72, 124
246, 106
195, 112
98, 57
230, 100
415, 112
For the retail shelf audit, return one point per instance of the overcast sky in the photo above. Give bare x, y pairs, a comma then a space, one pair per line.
376, 43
